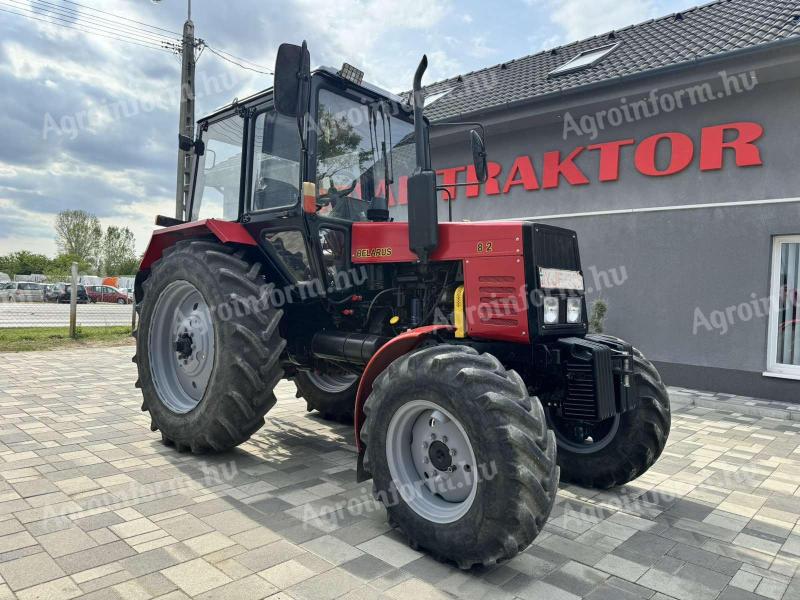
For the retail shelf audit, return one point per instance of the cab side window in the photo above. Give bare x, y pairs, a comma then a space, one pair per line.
276, 162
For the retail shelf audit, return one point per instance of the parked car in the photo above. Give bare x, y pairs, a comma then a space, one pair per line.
62, 293
106, 293
21, 291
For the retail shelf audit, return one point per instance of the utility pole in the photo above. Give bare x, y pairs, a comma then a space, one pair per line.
186, 123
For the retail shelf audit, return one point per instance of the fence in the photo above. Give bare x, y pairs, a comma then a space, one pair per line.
27, 304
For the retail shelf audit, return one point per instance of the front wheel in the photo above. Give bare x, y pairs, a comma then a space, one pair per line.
460, 455
620, 449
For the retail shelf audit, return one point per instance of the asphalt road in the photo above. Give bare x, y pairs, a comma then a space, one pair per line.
38, 314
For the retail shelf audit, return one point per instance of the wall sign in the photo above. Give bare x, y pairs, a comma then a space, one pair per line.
658, 155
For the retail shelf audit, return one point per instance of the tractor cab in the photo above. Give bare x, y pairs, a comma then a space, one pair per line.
347, 158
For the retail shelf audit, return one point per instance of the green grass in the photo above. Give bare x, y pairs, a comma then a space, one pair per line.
19, 339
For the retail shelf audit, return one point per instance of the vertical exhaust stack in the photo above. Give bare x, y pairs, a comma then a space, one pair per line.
423, 217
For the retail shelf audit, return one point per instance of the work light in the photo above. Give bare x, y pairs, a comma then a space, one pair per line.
352, 74
573, 310
550, 310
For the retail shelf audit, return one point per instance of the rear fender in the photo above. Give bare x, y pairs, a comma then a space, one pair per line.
390, 351
226, 232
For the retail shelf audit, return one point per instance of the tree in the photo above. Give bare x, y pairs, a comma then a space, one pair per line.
78, 234
60, 268
23, 263
118, 251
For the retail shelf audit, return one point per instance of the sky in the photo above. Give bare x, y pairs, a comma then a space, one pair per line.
90, 122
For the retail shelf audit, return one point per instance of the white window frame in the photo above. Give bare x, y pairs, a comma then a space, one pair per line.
774, 368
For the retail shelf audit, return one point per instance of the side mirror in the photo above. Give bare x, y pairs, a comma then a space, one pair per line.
292, 73
479, 156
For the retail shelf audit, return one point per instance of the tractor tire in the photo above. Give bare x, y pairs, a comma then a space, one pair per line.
205, 319
505, 474
632, 444
333, 396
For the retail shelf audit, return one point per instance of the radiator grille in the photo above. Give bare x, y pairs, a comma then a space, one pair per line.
555, 248
581, 397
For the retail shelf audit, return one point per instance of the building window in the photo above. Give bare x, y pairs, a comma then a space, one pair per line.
784, 318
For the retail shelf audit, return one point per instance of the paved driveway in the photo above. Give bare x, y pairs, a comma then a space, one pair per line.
91, 504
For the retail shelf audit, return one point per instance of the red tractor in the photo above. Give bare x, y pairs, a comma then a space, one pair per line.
460, 351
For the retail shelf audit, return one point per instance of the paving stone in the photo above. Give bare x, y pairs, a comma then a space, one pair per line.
66, 541
30, 570
196, 576
249, 588
328, 585
389, 551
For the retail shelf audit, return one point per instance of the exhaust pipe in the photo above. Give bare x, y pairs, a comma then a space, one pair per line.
423, 216
351, 348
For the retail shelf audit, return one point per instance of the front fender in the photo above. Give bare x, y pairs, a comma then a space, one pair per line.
391, 350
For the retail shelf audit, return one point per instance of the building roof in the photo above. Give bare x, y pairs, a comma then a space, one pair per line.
687, 37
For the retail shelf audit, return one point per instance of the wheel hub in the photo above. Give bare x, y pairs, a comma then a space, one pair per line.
183, 346
439, 455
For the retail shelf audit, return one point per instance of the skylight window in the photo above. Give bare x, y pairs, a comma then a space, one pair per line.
585, 59
431, 98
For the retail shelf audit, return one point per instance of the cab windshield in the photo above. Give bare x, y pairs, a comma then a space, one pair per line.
363, 153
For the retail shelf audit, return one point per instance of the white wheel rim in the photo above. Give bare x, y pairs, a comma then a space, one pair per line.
431, 461
181, 346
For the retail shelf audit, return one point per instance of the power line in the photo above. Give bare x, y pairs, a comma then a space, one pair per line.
73, 19
90, 20
120, 17
76, 27
244, 60
221, 54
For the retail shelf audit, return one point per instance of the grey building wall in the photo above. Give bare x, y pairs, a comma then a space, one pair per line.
658, 269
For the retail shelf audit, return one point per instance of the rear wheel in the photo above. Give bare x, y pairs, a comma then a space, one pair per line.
620, 449
460, 455
208, 347
332, 394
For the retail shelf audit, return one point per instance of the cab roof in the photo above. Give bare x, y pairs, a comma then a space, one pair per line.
329, 71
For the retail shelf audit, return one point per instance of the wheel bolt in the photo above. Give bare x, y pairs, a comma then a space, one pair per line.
426, 460
425, 445
433, 436
452, 452
444, 439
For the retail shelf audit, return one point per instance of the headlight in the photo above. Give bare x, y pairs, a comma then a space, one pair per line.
550, 310
573, 310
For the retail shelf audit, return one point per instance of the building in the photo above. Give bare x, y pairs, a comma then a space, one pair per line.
672, 148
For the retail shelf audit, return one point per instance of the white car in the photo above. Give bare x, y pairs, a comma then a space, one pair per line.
21, 291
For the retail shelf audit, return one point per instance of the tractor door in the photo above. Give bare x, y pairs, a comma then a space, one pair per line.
272, 208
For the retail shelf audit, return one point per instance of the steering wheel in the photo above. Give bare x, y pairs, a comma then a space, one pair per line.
334, 194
